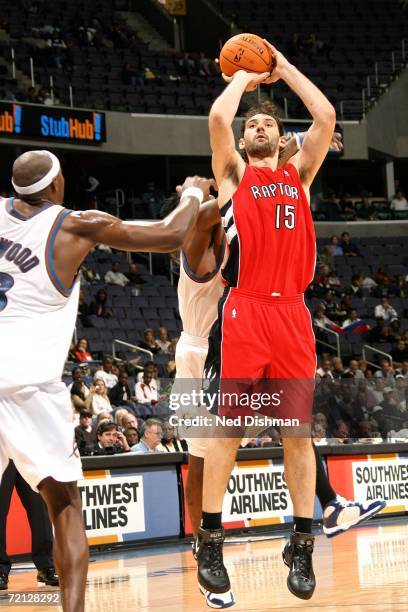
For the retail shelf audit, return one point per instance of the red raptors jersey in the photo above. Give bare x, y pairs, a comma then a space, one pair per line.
270, 233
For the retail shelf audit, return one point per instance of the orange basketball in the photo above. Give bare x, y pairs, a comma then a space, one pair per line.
246, 52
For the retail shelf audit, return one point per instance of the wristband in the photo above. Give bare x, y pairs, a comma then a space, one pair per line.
193, 192
299, 139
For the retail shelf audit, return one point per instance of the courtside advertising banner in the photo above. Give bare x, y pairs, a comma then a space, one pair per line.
369, 477
256, 495
123, 505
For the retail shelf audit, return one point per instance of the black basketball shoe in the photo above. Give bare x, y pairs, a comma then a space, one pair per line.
297, 555
212, 574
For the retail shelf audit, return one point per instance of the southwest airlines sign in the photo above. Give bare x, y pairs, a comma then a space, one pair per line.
45, 123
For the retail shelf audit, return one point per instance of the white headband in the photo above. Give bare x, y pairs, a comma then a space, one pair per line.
45, 181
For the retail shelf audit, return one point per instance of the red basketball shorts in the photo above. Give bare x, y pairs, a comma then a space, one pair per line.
263, 344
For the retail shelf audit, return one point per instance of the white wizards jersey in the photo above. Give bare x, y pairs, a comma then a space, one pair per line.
198, 296
37, 313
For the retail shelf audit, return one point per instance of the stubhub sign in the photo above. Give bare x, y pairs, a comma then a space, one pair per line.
43, 122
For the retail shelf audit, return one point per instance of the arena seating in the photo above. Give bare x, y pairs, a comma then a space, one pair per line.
387, 253
350, 39
155, 306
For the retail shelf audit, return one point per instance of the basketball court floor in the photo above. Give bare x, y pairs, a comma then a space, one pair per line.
363, 570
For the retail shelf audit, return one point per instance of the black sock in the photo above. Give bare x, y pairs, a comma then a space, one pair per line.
211, 520
302, 524
324, 490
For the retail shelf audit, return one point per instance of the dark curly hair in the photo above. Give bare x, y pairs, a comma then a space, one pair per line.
265, 108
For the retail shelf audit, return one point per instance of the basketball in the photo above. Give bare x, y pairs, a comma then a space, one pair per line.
246, 52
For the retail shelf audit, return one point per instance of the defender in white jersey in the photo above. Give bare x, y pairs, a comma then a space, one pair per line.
42, 245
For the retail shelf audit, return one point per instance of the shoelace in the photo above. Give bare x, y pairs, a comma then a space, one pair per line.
302, 555
347, 502
215, 553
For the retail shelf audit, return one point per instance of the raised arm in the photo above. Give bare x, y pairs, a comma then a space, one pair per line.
317, 139
226, 161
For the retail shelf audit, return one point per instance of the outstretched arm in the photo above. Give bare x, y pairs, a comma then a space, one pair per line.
81, 231
317, 140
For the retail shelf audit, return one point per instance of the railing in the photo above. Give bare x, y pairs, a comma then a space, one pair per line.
375, 350
132, 346
384, 73
330, 346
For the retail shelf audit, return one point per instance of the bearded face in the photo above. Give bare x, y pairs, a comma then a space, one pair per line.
261, 136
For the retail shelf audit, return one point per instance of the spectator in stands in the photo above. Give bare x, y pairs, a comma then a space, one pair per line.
337, 368
78, 376
85, 432
83, 310
99, 398
131, 76
319, 428
82, 351
110, 441
149, 341
58, 50
170, 441
380, 332
115, 276
99, 306
399, 354
320, 319
383, 278
129, 420
401, 387
400, 288
106, 373
346, 206
146, 391
132, 436
335, 247
385, 310
174, 341
153, 199
325, 370
366, 210
368, 282
375, 394
163, 341
399, 202
390, 409
354, 370
326, 279
88, 275
349, 249
386, 372
120, 394
152, 433
326, 256
208, 66
332, 308
119, 416
295, 45
81, 397
356, 287
403, 370
133, 276
341, 432
352, 318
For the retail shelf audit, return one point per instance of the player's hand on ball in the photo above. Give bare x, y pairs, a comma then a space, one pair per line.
202, 183
337, 142
253, 78
280, 63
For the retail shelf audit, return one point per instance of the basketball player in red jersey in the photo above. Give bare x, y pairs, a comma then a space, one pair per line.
42, 245
264, 329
